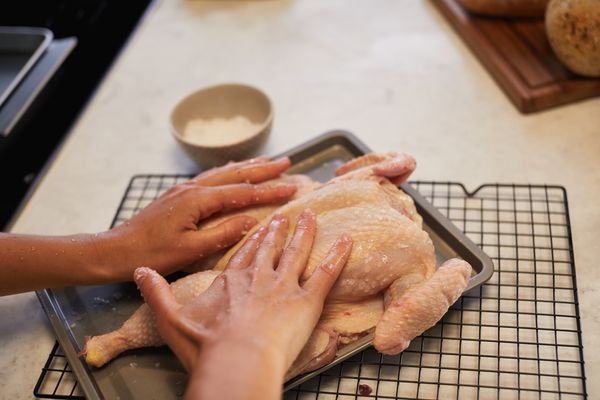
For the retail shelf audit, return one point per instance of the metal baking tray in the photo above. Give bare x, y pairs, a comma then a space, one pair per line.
20, 48
75, 312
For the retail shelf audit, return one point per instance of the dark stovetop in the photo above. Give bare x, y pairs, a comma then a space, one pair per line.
101, 27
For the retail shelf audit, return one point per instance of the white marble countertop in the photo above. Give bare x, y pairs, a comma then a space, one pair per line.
392, 72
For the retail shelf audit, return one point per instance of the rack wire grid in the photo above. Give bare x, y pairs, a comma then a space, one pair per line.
516, 337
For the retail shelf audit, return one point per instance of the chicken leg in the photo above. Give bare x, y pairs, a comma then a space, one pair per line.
417, 307
140, 330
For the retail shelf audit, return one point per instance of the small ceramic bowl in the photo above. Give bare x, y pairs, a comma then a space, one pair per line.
222, 123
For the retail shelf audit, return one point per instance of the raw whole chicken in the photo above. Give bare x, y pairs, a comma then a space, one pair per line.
390, 283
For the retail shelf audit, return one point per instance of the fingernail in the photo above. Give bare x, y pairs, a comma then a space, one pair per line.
279, 219
249, 223
282, 159
330, 267
345, 238
257, 160
288, 186
275, 222
307, 213
307, 219
140, 273
259, 232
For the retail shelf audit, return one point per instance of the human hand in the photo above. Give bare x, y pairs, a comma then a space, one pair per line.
397, 167
255, 315
165, 235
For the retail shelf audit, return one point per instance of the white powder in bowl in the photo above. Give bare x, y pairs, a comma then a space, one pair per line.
219, 131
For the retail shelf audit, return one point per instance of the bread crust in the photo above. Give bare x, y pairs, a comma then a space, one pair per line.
573, 28
507, 8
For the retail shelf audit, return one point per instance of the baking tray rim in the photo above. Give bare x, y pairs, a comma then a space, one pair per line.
47, 36
91, 389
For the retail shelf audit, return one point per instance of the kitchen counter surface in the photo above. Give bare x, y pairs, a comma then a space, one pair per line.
394, 73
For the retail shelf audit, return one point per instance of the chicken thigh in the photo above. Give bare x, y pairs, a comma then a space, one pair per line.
390, 284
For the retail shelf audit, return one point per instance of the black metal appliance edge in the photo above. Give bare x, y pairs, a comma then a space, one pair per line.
23, 36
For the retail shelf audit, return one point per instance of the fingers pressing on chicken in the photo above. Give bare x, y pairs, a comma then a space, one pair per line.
255, 170
397, 167
397, 170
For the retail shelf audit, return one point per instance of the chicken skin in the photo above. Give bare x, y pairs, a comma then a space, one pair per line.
390, 284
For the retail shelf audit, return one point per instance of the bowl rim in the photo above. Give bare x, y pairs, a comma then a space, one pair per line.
264, 125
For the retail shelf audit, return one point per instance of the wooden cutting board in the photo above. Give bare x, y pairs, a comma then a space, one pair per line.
517, 54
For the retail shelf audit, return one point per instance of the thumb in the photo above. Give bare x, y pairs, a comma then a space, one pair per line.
397, 169
156, 291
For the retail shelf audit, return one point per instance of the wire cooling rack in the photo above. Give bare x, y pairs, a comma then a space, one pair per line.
516, 337
57, 381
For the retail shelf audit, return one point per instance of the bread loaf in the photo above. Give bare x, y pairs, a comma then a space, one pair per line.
507, 8
573, 28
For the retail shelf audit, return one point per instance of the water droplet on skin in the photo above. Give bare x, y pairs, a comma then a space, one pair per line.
73, 240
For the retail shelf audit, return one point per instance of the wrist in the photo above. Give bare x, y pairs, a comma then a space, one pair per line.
236, 347
107, 256
237, 367
90, 249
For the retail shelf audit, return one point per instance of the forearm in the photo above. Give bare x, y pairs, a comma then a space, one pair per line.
236, 370
30, 262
